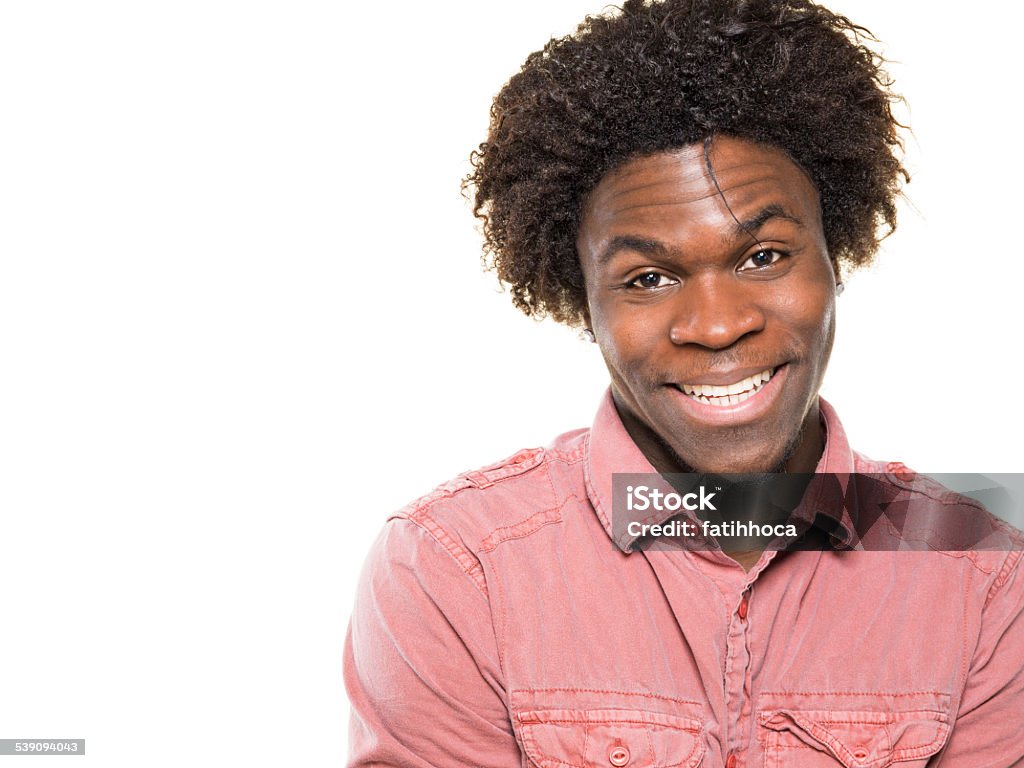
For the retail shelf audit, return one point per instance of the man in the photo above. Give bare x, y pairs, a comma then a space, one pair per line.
687, 182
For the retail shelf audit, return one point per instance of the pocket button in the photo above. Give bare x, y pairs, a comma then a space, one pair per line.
618, 756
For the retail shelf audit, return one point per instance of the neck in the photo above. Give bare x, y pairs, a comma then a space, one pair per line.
801, 456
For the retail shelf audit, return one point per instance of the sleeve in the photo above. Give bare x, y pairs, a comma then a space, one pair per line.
421, 660
989, 728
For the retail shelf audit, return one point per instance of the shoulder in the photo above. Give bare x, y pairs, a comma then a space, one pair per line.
470, 513
924, 512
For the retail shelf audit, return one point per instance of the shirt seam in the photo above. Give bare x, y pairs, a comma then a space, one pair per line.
925, 487
893, 694
520, 530
479, 583
462, 556
604, 691
569, 457
419, 513
1009, 564
965, 655
595, 497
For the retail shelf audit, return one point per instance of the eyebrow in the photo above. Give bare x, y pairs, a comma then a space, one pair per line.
747, 227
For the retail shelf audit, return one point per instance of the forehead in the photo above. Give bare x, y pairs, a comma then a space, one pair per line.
675, 190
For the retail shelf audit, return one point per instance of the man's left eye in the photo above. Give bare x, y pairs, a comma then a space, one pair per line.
763, 258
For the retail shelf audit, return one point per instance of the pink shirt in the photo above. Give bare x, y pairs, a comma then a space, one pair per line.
497, 623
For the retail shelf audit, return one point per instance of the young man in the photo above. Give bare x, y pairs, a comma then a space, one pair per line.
686, 181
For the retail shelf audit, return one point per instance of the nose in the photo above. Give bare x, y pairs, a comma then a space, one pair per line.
715, 312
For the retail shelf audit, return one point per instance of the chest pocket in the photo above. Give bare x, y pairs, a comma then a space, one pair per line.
906, 729
609, 738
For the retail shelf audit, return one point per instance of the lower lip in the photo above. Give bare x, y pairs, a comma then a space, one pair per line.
749, 410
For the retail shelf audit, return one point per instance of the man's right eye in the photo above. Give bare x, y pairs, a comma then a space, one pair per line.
650, 280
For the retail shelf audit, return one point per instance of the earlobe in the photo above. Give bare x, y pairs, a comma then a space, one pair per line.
837, 274
588, 327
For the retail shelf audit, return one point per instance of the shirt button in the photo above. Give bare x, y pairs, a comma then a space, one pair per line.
618, 756
731, 762
742, 610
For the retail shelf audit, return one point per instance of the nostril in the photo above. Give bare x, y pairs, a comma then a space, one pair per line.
714, 320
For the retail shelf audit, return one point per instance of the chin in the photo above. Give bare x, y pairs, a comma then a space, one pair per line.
740, 468
753, 461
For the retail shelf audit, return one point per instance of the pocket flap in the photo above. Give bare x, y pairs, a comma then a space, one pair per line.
618, 738
862, 739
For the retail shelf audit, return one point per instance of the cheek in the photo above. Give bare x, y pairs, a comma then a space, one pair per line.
819, 323
629, 340
807, 317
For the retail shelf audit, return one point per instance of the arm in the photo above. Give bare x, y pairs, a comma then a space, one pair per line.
421, 662
989, 729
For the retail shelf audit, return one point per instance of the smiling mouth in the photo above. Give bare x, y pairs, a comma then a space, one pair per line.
729, 394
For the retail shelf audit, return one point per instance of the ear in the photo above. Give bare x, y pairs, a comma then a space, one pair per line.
585, 319
586, 329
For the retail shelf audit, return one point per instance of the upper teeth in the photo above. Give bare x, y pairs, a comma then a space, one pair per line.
712, 390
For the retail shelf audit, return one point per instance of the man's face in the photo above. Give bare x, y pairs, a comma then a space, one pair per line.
714, 307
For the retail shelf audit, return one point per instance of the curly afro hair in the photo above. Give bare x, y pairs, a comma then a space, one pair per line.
657, 76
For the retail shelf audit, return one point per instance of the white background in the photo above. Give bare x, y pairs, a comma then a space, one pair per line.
242, 319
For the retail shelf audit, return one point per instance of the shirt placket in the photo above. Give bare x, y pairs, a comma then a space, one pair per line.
732, 591
739, 668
